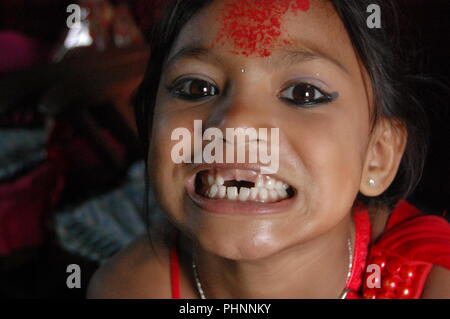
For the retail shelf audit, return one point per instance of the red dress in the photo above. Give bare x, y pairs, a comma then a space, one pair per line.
396, 266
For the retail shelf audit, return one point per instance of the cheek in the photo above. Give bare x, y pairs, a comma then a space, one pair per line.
165, 175
166, 119
330, 148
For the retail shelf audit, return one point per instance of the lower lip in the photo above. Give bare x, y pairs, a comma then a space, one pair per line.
236, 207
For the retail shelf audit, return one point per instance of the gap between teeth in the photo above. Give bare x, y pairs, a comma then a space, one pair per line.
268, 190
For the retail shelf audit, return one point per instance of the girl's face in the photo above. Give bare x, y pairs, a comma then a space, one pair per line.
308, 83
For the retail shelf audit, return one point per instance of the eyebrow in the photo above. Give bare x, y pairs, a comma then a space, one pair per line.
286, 58
192, 51
293, 57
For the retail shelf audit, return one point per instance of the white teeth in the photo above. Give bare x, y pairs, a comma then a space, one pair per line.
244, 193
222, 191
219, 180
270, 183
210, 180
232, 193
259, 182
282, 193
213, 191
279, 185
263, 194
273, 194
266, 189
253, 193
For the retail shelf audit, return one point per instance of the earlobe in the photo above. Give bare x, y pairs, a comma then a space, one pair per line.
383, 157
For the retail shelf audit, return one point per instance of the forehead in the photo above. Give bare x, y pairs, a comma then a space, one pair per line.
258, 28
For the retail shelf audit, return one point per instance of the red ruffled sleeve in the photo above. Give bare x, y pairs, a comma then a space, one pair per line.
411, 245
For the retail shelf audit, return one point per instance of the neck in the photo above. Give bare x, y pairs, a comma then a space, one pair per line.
316, 269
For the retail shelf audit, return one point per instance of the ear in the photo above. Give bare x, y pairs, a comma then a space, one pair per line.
384, 154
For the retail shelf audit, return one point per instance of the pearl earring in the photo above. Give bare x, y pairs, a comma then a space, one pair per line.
243, 70
371, 182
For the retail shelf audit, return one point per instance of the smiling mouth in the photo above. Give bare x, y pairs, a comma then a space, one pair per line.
241, 185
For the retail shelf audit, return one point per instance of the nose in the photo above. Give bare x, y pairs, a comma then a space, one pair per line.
242, 109
248, 123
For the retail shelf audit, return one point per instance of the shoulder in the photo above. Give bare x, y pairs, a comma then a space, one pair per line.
438, 284
139, 271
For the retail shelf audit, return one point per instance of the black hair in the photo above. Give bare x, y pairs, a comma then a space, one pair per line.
382, 54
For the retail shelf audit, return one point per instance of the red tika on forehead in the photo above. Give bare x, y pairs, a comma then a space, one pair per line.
253, 27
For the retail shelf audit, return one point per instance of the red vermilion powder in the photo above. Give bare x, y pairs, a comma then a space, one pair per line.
254, 26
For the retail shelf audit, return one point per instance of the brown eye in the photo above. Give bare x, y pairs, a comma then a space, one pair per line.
304, 94
193, 89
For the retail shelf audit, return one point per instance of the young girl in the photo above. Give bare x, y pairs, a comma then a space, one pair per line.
331, 221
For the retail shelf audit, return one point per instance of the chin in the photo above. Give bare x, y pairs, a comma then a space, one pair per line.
240, 241
245, 251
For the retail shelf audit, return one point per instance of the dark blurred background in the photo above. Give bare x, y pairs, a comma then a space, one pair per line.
71, 170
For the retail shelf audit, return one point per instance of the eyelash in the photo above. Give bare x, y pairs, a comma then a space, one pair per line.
323, 97
176, 90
